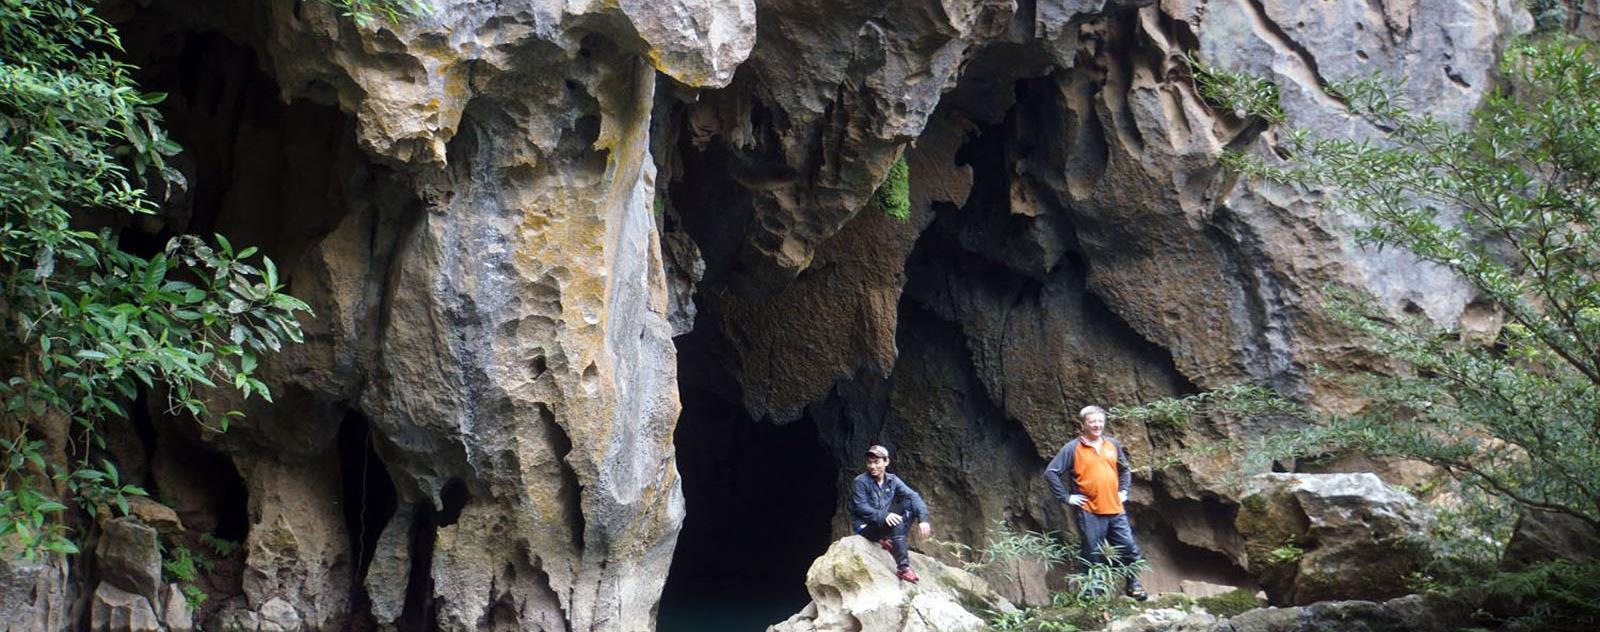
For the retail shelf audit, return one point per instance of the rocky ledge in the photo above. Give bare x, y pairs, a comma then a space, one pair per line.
854, 589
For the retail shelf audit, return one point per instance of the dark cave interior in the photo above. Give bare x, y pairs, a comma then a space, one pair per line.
760, 502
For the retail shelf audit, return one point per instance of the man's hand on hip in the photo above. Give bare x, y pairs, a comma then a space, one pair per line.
893, 519
1122, 495
1078, 500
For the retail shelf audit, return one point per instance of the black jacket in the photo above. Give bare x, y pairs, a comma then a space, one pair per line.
869, 503
1064, 486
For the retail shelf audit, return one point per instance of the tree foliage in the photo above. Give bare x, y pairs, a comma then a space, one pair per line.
88, 325
1510, 205
366, 11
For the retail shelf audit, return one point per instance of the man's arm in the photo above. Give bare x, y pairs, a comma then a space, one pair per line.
917, 505
1124, 469
1062, 489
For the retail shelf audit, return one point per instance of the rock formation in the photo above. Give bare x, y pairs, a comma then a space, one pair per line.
1406, 614
503, 213
1323, 537
853, 587
1072, 239
472, 224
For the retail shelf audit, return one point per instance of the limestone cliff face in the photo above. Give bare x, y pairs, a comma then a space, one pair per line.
1072, 241
478, 432
491, 304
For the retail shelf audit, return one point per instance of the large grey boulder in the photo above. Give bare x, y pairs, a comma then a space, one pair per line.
1318, 537
1542, 536
853, 588
1164, 620
173, 608
129, 557
117, 610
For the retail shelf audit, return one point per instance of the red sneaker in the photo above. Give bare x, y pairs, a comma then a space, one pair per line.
886, 544
907, 575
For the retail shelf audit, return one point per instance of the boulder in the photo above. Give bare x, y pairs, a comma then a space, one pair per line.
164, 519
276, 615
1164, 620
1317, 537
1413, 613
853, 587
1198, 589
129, 557
1024, 582
117, 610
1541, 536
174, 609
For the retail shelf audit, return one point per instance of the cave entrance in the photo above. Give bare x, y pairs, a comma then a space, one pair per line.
760, 504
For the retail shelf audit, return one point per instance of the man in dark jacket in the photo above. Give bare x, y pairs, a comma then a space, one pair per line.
1090, 474
882, 508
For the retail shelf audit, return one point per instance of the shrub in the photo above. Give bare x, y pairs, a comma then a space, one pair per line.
1512, 206
84, 325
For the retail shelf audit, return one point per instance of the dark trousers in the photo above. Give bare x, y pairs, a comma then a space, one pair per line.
896, 535
1098, 530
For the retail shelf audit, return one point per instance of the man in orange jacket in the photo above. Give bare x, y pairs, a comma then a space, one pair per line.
1090, 474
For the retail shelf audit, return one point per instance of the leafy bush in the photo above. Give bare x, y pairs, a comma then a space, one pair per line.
180, 565
1242, 95
1029, 620
87, 325
1004, 544
1514, 417
1563, 595
1289, 553
1094, 594
1512, 206
393, 11
1235, 399
222, 547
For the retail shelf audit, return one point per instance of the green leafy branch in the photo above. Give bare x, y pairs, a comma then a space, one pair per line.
1241, 94
392, 11
87, 325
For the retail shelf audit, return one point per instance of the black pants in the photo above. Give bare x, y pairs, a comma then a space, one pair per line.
1097, 531
896, 535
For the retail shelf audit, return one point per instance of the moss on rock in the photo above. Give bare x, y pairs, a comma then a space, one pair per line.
893, 197
1231, 603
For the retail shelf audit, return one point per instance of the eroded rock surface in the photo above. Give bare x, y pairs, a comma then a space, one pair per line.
35, 594
1073, 231
1413, 612
1321, 537
477, 433
472, 223
853, 587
